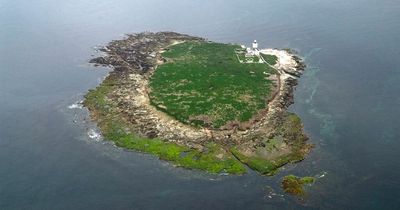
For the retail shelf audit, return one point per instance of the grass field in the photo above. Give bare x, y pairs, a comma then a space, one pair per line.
270, 59
204, 84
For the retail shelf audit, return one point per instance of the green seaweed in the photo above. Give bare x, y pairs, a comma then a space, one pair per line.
265, 166
213, 158
290, 131
295, 185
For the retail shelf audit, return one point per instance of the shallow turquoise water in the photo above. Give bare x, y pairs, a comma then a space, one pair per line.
348, 99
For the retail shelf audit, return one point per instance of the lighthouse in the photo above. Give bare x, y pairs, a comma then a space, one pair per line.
255, 45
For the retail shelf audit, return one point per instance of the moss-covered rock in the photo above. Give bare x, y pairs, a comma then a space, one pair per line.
288, 145
295, 185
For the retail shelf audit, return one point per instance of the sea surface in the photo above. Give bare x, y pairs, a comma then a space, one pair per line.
51, 156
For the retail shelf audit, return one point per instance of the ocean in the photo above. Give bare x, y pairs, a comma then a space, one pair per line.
51, 156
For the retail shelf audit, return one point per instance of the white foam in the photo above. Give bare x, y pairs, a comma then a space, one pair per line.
322, 174
76, 105
93, 134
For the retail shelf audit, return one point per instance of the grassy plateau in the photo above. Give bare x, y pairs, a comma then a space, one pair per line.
203, 83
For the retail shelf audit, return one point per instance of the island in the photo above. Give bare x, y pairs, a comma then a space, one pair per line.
200, 104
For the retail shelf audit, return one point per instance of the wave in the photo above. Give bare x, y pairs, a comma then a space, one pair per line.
93, 134
76, 105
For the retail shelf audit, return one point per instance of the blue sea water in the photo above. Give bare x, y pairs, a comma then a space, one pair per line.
348, 100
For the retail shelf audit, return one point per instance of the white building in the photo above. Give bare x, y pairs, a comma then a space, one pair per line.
253, 51
255, 45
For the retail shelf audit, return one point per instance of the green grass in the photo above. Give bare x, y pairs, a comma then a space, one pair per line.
256, 59
213, 159
241, 56
270, 59
204, 84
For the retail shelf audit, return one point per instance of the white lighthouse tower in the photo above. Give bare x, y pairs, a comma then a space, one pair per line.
255, 48
255, 45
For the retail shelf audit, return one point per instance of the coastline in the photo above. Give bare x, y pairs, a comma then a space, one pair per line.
123, 112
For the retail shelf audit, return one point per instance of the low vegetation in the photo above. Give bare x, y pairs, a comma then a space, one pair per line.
263, 166
295, 185
270, 59
203, 83
271, 155
213, 158
266, 166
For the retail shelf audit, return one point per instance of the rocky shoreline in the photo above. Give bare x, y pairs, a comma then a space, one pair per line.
272, 139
